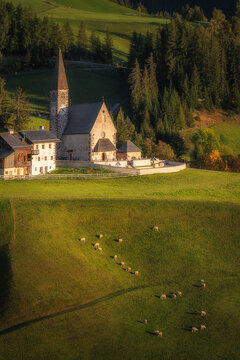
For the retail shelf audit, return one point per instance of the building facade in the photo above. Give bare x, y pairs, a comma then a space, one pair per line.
27, 153
86, 131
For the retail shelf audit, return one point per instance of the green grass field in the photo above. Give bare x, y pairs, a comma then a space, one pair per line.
47, 269
98, 15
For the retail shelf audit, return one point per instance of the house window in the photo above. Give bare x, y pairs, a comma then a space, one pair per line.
45, 158
36, 147
35, 169
39, 158
29, 157
43, 146
51, 157
50, 146
6, 172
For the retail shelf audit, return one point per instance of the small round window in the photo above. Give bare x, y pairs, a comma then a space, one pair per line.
103, 134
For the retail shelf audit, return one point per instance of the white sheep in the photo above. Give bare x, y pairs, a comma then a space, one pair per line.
202, 280
122, 263
100, 236
203, 313
163, 297
145, 321
155, 228
115, 257
203, 285
96, 245
158, 333
173, 296
203, 327
83, 239
128, 269
136, 272
194, 329
179, 293
120, 240
99, 249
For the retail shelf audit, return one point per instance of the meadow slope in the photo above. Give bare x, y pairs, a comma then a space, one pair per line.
48, 270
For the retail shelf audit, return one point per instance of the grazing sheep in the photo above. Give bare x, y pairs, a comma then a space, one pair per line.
179, 293
155, 228
202, 280
203, 313
122, 263
100, 236
83, 239
158, 333
173, 296
99, 249
163, 297
120, 240
136, 272
203, 285
203, 327
128, 269
194, 329
96, 245
115, 257
145, 321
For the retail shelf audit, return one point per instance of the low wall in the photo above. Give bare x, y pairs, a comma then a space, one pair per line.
170, 168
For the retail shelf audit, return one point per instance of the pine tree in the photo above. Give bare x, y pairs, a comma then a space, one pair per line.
125, 128
82, 40
20, 111
108, 48
5, 107
135, 83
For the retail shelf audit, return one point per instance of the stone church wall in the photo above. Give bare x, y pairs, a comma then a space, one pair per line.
79, 145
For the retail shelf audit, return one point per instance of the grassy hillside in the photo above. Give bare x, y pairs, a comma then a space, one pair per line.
50, 270
227, 131
98, 15
86, 85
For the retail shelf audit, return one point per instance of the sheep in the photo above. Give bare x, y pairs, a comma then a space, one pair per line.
203, 327
120, 240
194, 329
145, 321
173, 296
96, 245
202, 280
100, 236
83, 239
179, 293
163, 297
128, 269
155, 228
136, 272
158, 333
203, 313
203, 285
115, 257
99, 249
122, 263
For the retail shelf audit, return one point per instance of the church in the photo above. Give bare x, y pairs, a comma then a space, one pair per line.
86, 131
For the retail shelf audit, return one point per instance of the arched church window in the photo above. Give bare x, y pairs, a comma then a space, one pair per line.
103, 134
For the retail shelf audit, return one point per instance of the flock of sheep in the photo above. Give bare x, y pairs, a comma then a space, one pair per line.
158, 333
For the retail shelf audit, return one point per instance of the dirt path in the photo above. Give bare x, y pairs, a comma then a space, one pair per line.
14, 224
80, 307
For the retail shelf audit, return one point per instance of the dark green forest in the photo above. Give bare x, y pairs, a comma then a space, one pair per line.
155, 6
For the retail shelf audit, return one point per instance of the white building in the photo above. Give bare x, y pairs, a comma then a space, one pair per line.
43, 150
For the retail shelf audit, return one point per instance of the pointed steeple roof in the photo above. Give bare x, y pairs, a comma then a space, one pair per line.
59, 81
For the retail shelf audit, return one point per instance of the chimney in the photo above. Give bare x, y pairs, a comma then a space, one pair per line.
10, 131
41, 127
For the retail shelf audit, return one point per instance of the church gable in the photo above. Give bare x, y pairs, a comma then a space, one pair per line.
103, 127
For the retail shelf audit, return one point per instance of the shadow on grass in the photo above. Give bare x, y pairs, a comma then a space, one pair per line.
187, 328
193, 313
5, 278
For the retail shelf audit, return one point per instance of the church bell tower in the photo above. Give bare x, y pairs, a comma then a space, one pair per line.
59, 102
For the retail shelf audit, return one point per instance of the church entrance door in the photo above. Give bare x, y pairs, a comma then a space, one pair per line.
104, 157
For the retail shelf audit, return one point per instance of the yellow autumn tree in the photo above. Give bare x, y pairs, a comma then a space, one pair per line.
213, 161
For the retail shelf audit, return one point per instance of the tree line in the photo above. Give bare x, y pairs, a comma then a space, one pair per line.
34, 39
181, 70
